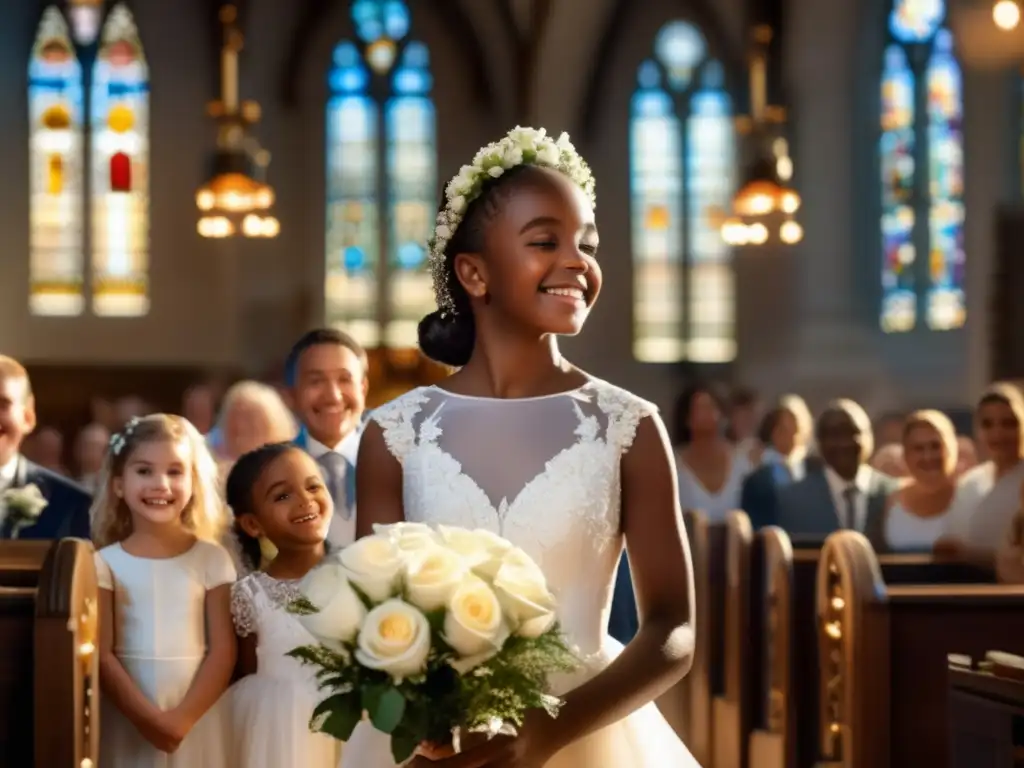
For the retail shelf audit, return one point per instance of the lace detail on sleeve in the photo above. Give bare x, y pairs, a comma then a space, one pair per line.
396, 422
624, 411
243, 607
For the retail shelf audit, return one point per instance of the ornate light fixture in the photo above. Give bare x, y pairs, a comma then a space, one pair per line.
764, 206
237, 198
1006, 14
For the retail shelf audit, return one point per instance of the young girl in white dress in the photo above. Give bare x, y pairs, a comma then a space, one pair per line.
276, 492
524, 444
166, 645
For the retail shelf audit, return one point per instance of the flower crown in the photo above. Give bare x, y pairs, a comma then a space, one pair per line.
521, 146
119, 439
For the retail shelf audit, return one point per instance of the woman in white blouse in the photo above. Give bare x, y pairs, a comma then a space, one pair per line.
711, 470
987, 497
917, 512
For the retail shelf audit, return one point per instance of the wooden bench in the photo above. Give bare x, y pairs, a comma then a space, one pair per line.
49, 667
883, 652
695, 693
783, 668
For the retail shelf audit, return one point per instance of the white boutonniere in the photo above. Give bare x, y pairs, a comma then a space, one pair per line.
22, 506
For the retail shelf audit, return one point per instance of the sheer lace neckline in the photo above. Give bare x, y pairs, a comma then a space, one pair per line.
533, 399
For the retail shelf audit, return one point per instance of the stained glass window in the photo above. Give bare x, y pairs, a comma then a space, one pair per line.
922, 171
115, 141
120, 170
682, 176
56, 262
381, 178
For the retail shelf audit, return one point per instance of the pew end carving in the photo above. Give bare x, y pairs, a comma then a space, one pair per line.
49, 679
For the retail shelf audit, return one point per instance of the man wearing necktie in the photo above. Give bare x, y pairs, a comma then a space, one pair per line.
326, 373
845, 492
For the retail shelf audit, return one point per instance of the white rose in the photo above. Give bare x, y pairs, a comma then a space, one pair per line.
474, 625
374, 564
432, 576
481, 549
495, 172
457, 204
395, 639
408, 537
341, 612
524, 595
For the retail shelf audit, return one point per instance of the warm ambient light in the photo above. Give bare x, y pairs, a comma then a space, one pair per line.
1006, 14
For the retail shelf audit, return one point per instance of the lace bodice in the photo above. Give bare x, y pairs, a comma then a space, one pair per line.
542, 472
259, 605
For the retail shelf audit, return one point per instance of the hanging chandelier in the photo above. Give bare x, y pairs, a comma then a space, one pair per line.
237, 199
764, 207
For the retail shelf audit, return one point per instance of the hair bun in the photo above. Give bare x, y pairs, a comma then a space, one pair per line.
448, 339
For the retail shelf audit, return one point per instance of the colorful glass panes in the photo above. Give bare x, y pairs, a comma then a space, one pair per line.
412, 203
382, 179
946, 302
353, 229
915, 21
922, 205
682, 176
55, 106
899, 294
656, 191
120, 171
710, 168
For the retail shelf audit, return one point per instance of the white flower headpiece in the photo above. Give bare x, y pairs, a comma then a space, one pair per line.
119, 439
522, 146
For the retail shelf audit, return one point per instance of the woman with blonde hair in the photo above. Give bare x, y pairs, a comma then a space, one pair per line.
916, 513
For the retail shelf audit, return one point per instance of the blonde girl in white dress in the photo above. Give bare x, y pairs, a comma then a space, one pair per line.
167, 647
277, 493
522, 443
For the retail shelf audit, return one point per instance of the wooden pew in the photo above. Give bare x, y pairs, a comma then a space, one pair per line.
884, 650
785, 714
733, 703
697, 689
49, 668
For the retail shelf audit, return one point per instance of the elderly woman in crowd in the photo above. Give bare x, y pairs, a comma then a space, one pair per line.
252, 414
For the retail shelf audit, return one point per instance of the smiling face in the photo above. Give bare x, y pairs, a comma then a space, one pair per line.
926, 454
330, 392
999, 431
291, 506
539, 270
17, 415
842, 442
156, 483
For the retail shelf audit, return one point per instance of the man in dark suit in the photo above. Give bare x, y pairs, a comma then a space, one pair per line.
35, 503
846, 493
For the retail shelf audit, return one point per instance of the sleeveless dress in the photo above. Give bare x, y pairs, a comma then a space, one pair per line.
544, 473
272, 707
160, 625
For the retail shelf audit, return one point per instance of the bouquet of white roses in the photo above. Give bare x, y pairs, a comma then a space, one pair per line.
430, 633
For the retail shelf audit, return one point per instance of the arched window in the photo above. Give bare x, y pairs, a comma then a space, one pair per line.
115, 140
120, 170
682, 169
381, 179
922, 169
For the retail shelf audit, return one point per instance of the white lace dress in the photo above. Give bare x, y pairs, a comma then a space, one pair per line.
271, 708
544, 473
